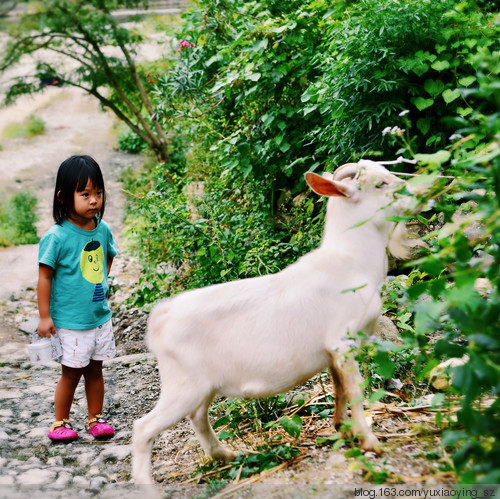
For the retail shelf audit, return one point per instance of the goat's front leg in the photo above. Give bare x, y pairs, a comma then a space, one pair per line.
174, 404
347, 381
208, 439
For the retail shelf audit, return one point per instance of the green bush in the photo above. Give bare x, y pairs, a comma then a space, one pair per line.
387, 58
29, 128
223, 233
455, 304
242, 83
17, 220
130, 142
265, 90
282, 90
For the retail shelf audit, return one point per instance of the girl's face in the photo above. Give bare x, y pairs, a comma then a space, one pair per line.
87, 205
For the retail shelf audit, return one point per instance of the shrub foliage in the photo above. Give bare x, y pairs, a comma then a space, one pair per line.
263, 91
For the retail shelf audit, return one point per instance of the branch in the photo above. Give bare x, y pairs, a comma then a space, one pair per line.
116, 110
29, 44
109, 73
133, 71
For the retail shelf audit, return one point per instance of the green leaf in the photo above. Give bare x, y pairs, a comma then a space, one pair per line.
221, 422
329, 439
434, 88
260, 45
252, 76
292, 426
438, 157
422, 103
440, 65
244, 149
450, 95
284, 147
385, 366
466, 81
310, 109
279, 30
463, 112
224, 434
424, 125
353, 290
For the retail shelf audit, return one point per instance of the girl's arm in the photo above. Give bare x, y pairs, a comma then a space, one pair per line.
109, 263
45, 326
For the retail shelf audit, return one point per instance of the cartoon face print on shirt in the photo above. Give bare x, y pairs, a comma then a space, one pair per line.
92, 266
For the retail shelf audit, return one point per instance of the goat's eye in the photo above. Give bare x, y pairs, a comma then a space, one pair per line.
380, 184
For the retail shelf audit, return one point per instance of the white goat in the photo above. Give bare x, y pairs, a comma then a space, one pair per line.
262, 336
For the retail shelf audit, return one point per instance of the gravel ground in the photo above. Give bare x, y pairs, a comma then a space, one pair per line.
28, 459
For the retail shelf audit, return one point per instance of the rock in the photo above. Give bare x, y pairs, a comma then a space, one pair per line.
387, 330
6, 480
36, 476
29, 325
483, 286
440, 375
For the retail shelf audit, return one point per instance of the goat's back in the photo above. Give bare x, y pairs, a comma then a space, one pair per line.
241, 334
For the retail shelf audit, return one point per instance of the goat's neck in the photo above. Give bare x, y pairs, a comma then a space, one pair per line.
365, 244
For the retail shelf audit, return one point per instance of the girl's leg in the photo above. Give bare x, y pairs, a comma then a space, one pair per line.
94, 387
65, 391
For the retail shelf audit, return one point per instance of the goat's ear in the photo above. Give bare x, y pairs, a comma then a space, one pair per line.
327, 187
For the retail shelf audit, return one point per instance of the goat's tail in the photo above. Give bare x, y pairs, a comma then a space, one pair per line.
156, 321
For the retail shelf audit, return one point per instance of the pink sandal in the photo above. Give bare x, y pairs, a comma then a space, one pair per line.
99, 428
62, 431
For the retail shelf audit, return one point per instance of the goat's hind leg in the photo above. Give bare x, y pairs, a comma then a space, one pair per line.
340, 413
348, 380
173, 405
208, 439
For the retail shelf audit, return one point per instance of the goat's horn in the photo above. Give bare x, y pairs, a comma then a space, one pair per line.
349, 170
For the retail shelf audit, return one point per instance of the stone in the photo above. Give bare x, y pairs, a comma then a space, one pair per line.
440, 375
36, 476
6, 480
29, 326
387, 330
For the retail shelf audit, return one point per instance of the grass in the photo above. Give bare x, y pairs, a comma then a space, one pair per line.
17, 220
29, 128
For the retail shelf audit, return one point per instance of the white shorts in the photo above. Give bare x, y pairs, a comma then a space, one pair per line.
81, 345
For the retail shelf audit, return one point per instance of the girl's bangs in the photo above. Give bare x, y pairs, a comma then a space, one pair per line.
87, 173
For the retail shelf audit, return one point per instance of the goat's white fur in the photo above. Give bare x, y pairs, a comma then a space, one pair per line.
262, 336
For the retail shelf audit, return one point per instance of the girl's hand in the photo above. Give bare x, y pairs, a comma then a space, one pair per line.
46, 327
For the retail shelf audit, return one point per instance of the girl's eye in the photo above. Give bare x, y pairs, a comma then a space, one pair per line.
380, 184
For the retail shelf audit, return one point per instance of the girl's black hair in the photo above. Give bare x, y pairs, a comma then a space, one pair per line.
73, 175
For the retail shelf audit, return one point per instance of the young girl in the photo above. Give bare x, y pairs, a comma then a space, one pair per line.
75, 257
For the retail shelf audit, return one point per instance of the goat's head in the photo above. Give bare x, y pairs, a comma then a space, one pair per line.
352, 180
370, 191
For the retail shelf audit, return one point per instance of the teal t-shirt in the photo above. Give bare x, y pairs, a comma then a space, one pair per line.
80, 283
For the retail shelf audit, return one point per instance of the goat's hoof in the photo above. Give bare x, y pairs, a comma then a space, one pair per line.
150, 490
371, 443
225, 455
140, 481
